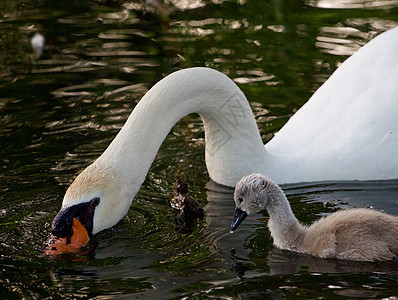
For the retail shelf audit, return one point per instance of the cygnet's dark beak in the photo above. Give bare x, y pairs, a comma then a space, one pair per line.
239, 216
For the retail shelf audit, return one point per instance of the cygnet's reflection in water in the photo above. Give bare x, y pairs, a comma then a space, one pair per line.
287, 262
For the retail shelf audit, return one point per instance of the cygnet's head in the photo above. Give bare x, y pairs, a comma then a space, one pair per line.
250, 197
250, 193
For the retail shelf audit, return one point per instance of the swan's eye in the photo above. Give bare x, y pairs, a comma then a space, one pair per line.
240, 200
95, 201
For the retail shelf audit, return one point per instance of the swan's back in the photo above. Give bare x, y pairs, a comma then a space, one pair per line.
354, 234
350, 124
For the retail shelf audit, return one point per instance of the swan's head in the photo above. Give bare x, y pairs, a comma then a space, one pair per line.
250, 197
97, 198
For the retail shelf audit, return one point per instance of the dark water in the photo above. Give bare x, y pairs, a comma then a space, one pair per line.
60, 110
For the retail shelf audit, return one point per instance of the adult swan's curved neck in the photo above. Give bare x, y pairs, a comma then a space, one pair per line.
233, 144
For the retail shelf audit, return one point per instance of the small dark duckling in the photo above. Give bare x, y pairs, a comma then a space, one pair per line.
190, 210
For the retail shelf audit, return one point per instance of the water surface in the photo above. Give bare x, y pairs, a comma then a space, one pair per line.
59, 110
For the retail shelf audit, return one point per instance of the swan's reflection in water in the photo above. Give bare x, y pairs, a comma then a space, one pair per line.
122, 262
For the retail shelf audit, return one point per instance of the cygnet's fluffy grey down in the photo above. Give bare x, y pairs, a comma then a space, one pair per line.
358, 234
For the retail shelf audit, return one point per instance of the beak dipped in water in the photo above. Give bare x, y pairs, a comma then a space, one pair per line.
72, 228
239, 216
72, 243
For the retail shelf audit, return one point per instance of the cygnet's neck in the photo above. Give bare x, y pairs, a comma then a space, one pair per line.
284, 227
233, 144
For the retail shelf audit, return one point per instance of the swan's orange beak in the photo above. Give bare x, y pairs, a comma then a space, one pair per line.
72, 228
73, 243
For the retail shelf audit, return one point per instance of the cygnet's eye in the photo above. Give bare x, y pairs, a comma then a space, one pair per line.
240, 200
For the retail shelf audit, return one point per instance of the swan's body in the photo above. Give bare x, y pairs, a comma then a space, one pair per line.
354, 234
348, 130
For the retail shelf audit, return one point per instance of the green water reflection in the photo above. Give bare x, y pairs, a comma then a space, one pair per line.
60, 110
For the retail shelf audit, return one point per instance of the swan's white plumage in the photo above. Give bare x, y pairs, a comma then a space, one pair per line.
347, 130
355, 234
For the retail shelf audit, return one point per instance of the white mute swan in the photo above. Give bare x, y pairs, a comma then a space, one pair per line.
347, 130
354, 234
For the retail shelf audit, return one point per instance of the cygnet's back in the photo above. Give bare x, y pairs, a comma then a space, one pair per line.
354, 234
